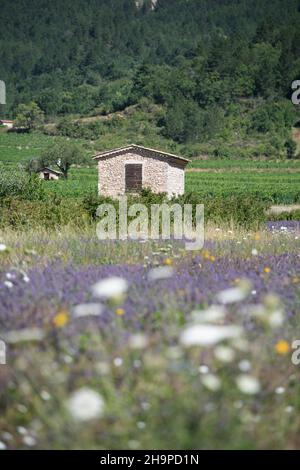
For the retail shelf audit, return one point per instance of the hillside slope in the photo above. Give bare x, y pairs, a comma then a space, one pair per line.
198, 71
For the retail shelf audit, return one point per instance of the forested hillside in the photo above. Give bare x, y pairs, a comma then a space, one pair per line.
211, 68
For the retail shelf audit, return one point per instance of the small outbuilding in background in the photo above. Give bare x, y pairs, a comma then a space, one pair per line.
7, 123
130, 169
48, 174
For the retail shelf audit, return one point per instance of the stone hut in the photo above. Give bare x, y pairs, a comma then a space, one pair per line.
129, 169
7, 123
48, 174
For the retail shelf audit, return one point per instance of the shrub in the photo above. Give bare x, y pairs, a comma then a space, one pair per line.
248, 212
18, 183
50, 213
92, 201
53, 211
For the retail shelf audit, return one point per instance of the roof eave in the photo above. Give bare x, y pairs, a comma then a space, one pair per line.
131, 146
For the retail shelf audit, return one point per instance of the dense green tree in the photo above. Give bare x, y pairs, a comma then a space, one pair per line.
279, 116
183, 121
291, 148
49, 45
195, 59
29, 116
32, 165
266, 65
63, 155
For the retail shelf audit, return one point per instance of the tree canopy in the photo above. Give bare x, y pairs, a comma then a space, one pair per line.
61, 155
197, 59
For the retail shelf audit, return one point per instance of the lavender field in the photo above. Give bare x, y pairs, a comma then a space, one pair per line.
144, 345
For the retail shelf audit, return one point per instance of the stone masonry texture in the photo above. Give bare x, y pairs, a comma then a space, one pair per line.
160, 174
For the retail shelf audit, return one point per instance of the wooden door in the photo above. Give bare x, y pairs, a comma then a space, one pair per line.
133, 177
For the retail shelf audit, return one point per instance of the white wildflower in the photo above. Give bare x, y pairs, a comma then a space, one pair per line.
133, 445
289, 409
22, 408
241, 344
254, 252
269, 314
276, 319
27, 334
45, 395
68, 359
30, 252
110, 288
118, 362
3, 247
162, 272
8, 284
10, 276
245, 365
29, 441
2, 445
138, 341
203, 369
85, 404
224, 354
211, 314
86, 310
141, 425
21, 430
211, 382
102, 368
208, 335
279, 390
248, 384
234, 294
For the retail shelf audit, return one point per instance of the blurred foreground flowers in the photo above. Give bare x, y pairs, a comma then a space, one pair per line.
184, 351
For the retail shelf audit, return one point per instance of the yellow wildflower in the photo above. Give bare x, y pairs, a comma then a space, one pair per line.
61, 319
257, 237
267, 270
168, 262
120, 311
282, 347
212, 258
